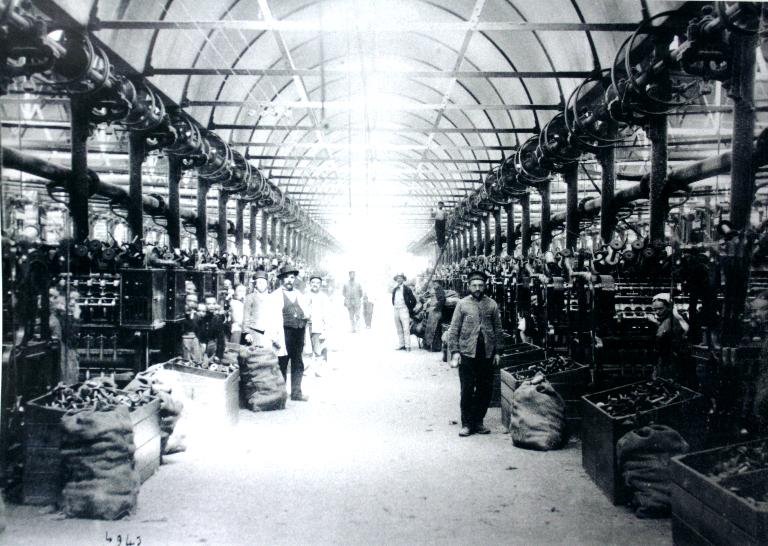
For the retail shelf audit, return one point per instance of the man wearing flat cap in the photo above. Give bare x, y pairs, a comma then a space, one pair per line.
404, 301
295, 311
474, 341
319, 309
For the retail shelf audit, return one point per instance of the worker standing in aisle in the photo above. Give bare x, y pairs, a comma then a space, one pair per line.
262, 323
353, 296
319, 307
473, 338
295, 312
404, 302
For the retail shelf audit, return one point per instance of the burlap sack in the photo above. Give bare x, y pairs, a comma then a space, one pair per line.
643, 456
537, 416
100, 477
261, 383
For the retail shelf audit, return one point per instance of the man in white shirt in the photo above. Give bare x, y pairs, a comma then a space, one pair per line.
262, 322
439, 216
403, 301
318, 322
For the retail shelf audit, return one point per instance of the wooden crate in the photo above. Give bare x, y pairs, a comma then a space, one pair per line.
43, 463
215, 393
706, 511
570, 384
600, 432
512, 354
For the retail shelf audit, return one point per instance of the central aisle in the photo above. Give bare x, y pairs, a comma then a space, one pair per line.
372, 458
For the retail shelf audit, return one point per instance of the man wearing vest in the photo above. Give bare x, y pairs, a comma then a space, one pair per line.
295, 315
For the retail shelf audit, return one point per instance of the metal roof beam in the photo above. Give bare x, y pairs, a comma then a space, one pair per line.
377, 26
469, 130
313, 72
351, 105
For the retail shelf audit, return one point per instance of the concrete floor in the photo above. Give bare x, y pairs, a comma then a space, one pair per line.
372, 458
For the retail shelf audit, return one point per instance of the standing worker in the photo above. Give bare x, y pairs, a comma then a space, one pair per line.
318, 322
262, 323
473, 338
295, 311
670, 341
404, 302
439, 216
353, 295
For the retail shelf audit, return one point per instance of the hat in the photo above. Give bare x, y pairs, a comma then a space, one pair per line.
286, 270
400, 275
260, 274
316, 276
665, 297
477, 274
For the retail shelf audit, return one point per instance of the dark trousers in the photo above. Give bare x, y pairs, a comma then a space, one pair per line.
440, 232
476, 379
294, 344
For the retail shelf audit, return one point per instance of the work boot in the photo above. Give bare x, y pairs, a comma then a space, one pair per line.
465, 431
299, 397
482, 429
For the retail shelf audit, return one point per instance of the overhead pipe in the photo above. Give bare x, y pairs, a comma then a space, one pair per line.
62, 177
86, 72
677, 180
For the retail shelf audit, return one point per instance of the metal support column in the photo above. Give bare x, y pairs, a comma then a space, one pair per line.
487, 235
480, 244
525, 225
546, 216
174, 223
136, 155
79, 190
742, 91
201, 230
221, 234
471, 248
253, 238
511, 229
273, 248
743, 95
497, 231
607, 158
239, 227
264, 231
571, 178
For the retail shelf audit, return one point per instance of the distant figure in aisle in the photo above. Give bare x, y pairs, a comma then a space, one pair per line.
262, 321
319, 319
439, 216
473, 338
670, 341
295, 312
367, 311
353, 295
404, 302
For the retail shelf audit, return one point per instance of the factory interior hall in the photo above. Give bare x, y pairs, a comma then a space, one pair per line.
384, 272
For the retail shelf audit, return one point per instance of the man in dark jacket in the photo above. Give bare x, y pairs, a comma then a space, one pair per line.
475, 339
404, 301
